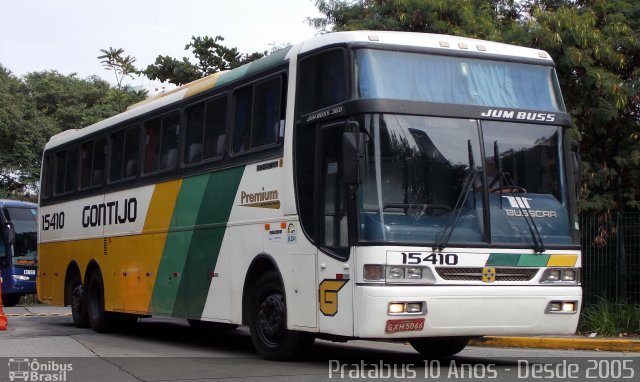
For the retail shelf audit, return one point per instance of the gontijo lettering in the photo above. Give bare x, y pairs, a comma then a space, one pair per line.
114, 212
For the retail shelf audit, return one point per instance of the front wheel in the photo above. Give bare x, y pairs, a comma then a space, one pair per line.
268, 322
439, 346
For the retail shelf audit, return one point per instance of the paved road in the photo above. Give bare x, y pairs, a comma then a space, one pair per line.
159, 349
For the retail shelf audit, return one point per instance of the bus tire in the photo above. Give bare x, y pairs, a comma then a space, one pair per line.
100, 320
78, 303
10, 299
439, 346
268, 322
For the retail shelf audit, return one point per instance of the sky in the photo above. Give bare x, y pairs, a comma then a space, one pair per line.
67, 35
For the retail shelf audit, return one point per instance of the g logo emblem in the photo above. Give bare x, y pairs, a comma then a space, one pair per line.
329, 296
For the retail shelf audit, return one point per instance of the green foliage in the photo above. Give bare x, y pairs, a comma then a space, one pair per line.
41, 104
211, 57
607, 318
122, 67
596, 47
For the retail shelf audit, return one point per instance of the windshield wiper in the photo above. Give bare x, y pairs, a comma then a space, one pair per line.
516, 193
443, 237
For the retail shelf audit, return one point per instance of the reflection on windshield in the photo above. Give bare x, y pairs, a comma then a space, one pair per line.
416, 171
418, 186
26, 243
455, 80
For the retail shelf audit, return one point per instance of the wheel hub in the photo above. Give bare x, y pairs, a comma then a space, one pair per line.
271, 317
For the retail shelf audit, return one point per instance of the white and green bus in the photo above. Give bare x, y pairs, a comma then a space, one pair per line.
375, 185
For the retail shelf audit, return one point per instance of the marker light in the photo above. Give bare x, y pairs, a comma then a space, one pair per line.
373, 272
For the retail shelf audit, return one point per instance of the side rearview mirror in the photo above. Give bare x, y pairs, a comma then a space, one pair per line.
576, 162
9, 232
353, 157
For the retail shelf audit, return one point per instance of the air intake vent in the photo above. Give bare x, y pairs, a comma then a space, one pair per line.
475, 274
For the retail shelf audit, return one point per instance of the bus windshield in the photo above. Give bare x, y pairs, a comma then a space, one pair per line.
26, 243
455, 80
426, 175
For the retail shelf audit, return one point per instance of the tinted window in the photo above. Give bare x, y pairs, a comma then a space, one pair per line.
259, 115
99, 159
323, 81
66, 168
124, 154
206, 123
161, 149
93, 163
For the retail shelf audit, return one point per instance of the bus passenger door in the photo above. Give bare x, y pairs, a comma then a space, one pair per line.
334, 274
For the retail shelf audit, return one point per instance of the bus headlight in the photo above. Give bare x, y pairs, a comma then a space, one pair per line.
398, 274
561, 275
20, 278
395, 273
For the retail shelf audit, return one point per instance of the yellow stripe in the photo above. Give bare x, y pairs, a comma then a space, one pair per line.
142, 253
562, 261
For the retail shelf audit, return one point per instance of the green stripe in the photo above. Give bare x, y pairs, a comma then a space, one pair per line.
193, 243
204, 248
533, 260
174, 255
503, 259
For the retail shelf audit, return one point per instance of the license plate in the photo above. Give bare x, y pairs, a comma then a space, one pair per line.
407, 325
30, 272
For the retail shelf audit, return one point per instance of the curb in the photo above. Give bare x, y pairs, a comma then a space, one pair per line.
560, 343
37, 314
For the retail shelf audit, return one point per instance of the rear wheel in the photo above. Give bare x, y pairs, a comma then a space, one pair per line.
268, 322
439, 346
78, 303
10, 299
99, 320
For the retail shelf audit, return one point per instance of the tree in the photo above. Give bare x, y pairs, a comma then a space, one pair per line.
39, 105
211, 56
122, 67
596, 47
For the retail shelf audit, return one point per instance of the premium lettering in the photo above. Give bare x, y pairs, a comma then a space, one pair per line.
262, 196
114, 212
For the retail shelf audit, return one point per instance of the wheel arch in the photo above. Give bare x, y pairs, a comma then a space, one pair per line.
261, 264
73, 270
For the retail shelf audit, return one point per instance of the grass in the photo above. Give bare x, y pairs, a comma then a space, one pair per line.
609, 318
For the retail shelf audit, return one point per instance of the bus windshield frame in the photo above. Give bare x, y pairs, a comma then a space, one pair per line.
426, 77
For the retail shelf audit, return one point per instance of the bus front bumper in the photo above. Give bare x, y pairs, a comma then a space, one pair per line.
465, 311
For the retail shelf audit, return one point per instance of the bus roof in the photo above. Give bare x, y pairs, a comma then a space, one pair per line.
16, 203
445, 43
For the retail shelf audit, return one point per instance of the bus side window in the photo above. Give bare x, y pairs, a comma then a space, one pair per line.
152, 145
169, 142
99, 159
323, 81
215, 124
259, 114
47, 177
87, 159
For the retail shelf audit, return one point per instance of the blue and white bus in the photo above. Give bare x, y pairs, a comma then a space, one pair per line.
18, 250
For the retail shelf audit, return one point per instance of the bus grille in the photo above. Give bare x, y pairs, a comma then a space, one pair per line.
475, 274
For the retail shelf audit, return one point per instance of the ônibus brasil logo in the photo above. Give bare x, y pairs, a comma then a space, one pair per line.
24, 369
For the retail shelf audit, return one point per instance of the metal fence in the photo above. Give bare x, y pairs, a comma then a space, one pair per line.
611, 257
